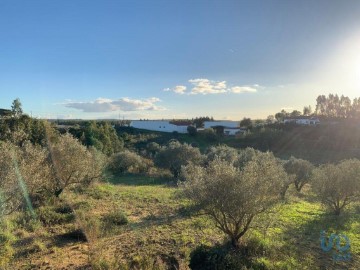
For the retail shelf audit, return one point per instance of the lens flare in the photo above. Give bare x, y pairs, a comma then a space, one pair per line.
22, 185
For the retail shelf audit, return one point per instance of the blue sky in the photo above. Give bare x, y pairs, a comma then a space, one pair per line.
176, 59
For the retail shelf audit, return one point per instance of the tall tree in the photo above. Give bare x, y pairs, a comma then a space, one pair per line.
270, 119
280, 116
307, 110
334, 106
246, 122
355, 109
16, 108
295, 113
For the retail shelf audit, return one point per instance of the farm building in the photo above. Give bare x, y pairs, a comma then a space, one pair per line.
225, 127
303, 120
160, 125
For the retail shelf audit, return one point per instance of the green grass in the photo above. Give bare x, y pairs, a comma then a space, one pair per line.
161, 228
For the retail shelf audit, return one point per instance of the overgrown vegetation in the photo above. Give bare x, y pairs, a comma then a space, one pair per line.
81, 200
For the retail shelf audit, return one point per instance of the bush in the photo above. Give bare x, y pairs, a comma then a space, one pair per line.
209, 135
299, 171
116, 218
83, 205
152, 148
74, 164
128, 162
28, 163
222, 152
53, 215
338, 185
234, 197
192, 130
175, 155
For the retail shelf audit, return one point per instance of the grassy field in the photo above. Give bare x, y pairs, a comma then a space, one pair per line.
137, 222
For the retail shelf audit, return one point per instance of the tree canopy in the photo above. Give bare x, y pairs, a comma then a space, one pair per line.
233, 197
334, 106
338, 185
175, 155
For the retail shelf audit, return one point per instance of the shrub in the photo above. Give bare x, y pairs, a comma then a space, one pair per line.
233, 197
90, 226
116, 218
83, 205
192, 130
28, 165
73, 164
175, 155
299, 170
338, 185
128, 161
152, 148
52, 215
209, 135
222, 152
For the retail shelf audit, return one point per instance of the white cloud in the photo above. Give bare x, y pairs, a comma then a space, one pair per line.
122, 104
205, 86
243, 89
180, 89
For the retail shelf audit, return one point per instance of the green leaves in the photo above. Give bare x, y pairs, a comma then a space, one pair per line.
231, 195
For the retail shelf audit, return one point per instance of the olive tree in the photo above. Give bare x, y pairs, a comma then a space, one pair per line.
35, 169
24, 172
222, 152
233, 197
338, 185
175, 155
73, 163
152, 148
299, 170
246, 155
127, 161
10, 193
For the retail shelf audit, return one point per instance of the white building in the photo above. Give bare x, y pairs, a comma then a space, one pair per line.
159, 125
303, 120
229, 127
225, 124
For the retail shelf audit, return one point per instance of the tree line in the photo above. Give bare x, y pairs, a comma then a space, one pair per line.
331, 106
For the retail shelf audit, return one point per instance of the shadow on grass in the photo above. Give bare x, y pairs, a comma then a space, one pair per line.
75, 236
182, 213
303, 241
224, 257
140, 180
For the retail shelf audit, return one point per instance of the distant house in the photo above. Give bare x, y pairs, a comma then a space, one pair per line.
160, 125
303, 120
5, 112
225, 127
